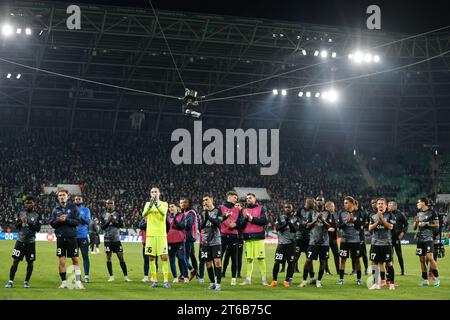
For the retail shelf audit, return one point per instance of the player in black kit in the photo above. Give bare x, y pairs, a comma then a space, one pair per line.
426, 221
286, 225
28, 224
400, 228
319, 221
302, 234
365, 217
212, 242
381, 225
350, 221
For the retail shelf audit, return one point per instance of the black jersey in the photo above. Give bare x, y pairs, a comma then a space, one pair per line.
28, 230
286, 226
112, 228
426, 233
211, 226
381, 235
350, 229
302, 232
319, 231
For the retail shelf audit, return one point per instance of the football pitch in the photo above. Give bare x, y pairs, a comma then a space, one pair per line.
45, 281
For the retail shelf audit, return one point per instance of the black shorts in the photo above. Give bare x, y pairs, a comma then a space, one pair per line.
315, 252
230, 241
209, 253
301, 245
66, 247
380, 253
113, 247
424, 247
94, 238
363, 248
27, 250
350, 249
285, 252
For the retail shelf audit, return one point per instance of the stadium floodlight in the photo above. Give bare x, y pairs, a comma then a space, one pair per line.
18, 76
28, 31
283, 92
325, 95
376, 58
317, 95
333, 55
358, 57
324, 54
330, 40
308, 94
19, 31
332, 96
281, 35
304, 52
368, 57
275, 92
350, 56
7, 30
300, 94
8, 76
316, 53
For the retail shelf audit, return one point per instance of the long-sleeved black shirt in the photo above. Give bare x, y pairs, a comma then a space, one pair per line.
401, 224
211, 225
286, 226
112, 228
28, 230
350, 229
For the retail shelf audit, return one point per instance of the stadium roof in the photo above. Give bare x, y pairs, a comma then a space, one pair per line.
125, 47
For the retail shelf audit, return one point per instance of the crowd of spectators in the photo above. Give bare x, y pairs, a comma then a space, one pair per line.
124, 167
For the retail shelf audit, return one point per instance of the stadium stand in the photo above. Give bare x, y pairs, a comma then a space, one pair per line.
125, 166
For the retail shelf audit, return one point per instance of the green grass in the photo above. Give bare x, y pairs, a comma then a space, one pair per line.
45, 281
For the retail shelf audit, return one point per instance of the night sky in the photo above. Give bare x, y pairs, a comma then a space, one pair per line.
396, 15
